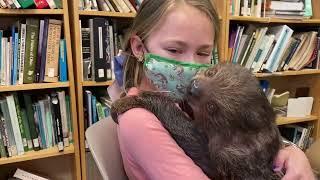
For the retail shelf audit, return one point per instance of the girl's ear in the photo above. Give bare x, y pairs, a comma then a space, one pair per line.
137, 46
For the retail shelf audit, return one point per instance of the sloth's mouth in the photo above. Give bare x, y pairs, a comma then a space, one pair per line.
185, 106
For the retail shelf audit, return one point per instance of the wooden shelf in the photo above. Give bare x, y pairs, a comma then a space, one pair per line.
23, 12
288, 73
31, 155
34, 86
274, 20
286, 120
93, 83
106, 14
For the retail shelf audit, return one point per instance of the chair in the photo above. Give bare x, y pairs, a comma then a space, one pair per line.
103, 143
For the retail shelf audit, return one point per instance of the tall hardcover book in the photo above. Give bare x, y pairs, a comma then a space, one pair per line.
32, 125
31, 50
57, 119
22, 49
86, 54
20, 121
38, 64
64, 120
26, 3
63, 73
41, 4
100, 64
44, 50
3, 138
54, 34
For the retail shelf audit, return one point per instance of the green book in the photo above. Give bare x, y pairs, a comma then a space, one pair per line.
100, 111
308, 8
20, 121
26, 128
32, 125
3, 152
69, 119
31, 50
26, 3
58, 4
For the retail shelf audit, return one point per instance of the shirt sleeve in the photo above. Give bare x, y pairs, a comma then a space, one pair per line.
152, 148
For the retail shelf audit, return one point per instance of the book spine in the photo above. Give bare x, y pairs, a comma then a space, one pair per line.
26, 3
41, 4
31, 50
63, 61
15, 124
44, 50
16, 3
91, 26
15, 58
94, 109
100, 64
65, 131
32, 123
108, 52
22, 52
51, 3
38, 64
130, 6
12, 147
3, 138
70, 127
57, 118
58, 4
86, 54
21, 124
52, 58
39, 125
112, 48
1, 57
26, 129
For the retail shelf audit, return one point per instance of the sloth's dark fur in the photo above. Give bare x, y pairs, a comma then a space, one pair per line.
231, 132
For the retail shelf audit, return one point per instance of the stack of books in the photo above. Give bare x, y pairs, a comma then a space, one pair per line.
284, 9
30, 4
96, 108
33, 122
122, 6
97, 58
32, 51
271, 49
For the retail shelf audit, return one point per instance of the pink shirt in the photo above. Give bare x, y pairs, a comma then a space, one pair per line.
149, 152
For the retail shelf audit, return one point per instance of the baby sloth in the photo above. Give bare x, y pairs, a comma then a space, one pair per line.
231, 132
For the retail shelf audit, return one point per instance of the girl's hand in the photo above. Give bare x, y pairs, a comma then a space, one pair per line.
295, 164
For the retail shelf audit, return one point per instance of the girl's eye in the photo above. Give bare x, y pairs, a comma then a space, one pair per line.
173, 51
203, 54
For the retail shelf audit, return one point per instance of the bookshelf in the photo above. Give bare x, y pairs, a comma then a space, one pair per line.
76, 15
63, 165
285, 80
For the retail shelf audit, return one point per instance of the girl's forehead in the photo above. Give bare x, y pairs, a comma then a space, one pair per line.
186, 23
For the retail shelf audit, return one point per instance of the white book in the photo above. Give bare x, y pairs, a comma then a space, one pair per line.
16, 3
27, 176
115, 2
123, 5
257, 11
64, 120
130, 6
4, 60
110, 5
51, 3
22, 52
256, 46
94, 5
112, 48
282, 36
9, 60
3, 4
15, 124
103, 5
268, 40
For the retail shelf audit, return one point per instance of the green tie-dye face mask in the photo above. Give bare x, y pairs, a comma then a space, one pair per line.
170, 75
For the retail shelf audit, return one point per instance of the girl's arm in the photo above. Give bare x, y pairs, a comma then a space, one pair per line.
149, 146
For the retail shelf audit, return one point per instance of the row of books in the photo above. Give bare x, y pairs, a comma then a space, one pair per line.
31, 4
285, 9
122, 6
100, 42
33, 122
25, 175
276, 48
32, 51
96, 108
299, 134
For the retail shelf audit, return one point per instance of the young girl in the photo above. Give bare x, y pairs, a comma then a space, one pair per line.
185, 30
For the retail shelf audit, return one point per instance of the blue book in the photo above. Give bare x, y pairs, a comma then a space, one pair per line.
63, 74
15, 58
40, 126
94, 110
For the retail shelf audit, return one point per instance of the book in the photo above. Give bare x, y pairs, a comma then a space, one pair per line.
57, 119
54, 34
22, 49
64, 120
31, 50
20, 122
21, 174
41, 4
26, 3
86, 54
38, 63
63, 73
44, 50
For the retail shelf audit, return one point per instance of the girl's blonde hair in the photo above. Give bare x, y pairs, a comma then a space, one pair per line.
149, 14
